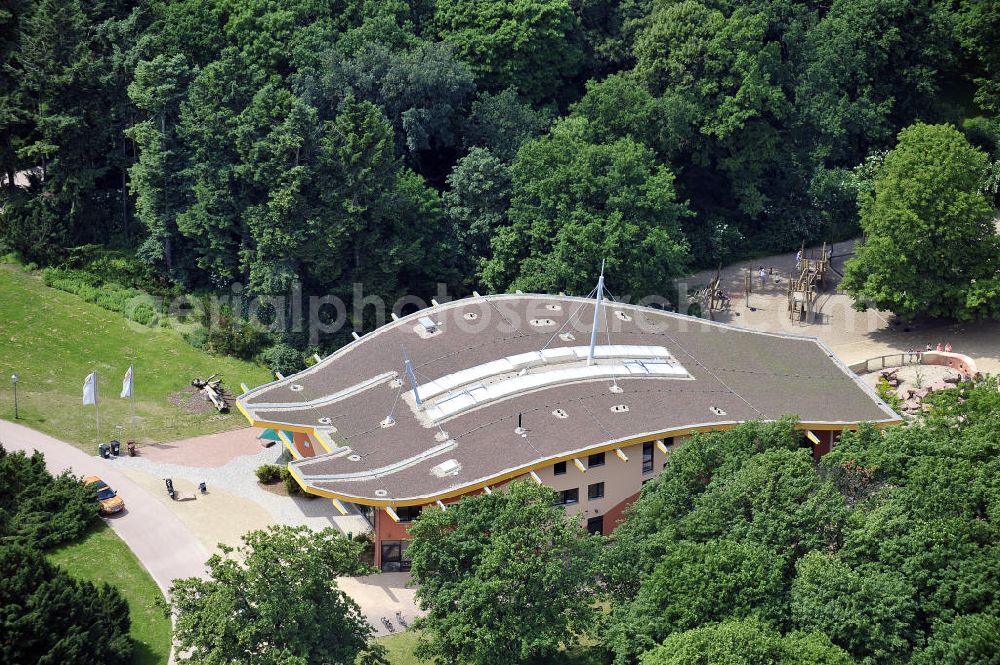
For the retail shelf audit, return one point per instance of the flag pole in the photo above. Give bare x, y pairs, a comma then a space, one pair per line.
131, 394
97, 409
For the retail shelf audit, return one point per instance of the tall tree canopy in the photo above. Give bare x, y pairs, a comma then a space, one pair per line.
573, 203
931, 247
274, 600
505, 578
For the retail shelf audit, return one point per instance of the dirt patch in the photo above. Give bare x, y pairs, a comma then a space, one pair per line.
190, 400
274, 488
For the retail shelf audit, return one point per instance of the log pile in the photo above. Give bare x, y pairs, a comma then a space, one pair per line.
211, 388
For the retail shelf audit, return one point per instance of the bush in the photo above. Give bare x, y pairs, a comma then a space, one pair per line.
887, 394
270, 473
235, 337
37, 509
283, 358
49, 617
198, 338
290, 483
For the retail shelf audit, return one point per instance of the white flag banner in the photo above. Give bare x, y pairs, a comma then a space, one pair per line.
127, 384
90, 389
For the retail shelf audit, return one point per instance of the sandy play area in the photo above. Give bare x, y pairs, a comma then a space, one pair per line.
853, 335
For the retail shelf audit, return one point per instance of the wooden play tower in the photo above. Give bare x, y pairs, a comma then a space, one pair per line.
811, 270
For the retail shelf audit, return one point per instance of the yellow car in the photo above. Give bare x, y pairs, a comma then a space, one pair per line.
110, 501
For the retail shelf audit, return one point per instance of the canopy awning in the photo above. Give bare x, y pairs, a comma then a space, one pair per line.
272, 435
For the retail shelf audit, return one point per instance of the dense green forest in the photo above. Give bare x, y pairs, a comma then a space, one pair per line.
491, 145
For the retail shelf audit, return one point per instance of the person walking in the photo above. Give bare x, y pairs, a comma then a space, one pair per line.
763, 276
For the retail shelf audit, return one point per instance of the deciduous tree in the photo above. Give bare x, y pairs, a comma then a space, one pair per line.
274, 600
931, 247
505, 578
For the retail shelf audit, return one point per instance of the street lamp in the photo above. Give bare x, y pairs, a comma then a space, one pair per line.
13, 380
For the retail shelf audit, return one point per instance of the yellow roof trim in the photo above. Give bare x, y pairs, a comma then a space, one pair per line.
529, 470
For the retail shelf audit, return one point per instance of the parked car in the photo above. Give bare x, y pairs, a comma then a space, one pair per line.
110, 501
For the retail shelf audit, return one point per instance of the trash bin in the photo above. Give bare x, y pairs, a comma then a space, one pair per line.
116, 447
202, 487
104, 450
170, 488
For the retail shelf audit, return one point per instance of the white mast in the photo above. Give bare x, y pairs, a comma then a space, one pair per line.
597, 315
412, 377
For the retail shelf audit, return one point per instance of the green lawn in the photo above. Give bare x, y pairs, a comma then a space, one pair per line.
399, 651
53, 339
101, 556
399, 648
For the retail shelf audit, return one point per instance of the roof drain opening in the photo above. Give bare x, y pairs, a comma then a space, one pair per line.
567, 337
622, 316
560, 413
381, 493
295, 387
716, 410
616, 389
324, 421
619, 408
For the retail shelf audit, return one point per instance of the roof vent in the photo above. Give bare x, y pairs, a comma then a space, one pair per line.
427, 323
470, 316
552, 307
619, 408
388, 422
542, 322
354, 458
295, 387
616, 389
716, 410
441, 435
622, 316
324, 420
381, 493
449, 467
567, 337
396, 383
560, 413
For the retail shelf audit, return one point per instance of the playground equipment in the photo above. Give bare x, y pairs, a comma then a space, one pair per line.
811, 267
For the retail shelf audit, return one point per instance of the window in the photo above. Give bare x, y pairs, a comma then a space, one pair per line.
647, 457
394, 557
595, 491
597, 459
566, 497
559, 469
595, 525
408, 513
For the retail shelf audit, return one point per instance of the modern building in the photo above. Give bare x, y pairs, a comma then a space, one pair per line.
462, 397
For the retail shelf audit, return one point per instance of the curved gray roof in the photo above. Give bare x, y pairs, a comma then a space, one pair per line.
485, 360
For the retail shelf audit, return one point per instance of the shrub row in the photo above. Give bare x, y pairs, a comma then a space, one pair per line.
131, 303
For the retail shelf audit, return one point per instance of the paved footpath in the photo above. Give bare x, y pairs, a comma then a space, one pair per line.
155, 535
